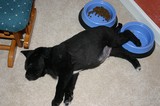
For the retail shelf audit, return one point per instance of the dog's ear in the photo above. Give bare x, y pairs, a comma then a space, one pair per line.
26, 52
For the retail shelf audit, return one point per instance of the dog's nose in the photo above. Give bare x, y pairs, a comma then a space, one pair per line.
30, 78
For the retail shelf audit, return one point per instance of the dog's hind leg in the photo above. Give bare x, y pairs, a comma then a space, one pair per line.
118, 28
69, 89
126, 36
119, 52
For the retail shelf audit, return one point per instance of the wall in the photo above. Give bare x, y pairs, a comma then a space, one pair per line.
141, 16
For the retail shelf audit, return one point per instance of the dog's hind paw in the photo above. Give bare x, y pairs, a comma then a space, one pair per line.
138, 43
138, 69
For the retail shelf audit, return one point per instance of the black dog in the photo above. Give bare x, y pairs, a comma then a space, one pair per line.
87, 49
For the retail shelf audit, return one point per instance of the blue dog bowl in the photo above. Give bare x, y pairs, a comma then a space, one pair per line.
94, 20
143, 33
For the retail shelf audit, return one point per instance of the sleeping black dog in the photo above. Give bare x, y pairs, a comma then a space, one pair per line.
85, 50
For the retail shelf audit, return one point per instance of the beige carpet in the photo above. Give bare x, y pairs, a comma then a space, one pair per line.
114, 83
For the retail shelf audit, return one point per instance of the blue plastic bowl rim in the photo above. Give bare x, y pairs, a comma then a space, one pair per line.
145, 27
103, 3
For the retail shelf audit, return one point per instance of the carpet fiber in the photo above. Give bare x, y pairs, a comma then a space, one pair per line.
114, 83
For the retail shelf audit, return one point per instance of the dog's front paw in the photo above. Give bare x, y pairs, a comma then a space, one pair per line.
55, 103
68, 99
66, 103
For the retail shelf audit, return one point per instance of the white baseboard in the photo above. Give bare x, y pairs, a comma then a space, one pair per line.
141, 16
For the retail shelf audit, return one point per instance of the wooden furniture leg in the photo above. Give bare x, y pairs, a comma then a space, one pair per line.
12, 53
29, 28
18, 37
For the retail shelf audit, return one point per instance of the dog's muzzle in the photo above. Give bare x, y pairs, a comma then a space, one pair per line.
30, 77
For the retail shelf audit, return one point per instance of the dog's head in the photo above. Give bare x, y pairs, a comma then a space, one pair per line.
35, 63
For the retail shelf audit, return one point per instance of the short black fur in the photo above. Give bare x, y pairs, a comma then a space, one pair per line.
83, 51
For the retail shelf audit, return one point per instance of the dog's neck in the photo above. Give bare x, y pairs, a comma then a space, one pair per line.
47, 52
53, 56
47, 58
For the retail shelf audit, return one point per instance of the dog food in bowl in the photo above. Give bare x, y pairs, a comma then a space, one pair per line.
97, 13
100, 11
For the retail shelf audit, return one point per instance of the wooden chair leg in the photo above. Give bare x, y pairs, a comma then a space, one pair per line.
12, 53
11, 48
17, 37
29, 29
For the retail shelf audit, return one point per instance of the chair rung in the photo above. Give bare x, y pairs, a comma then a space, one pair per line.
6, 33
4, 47
7, 37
